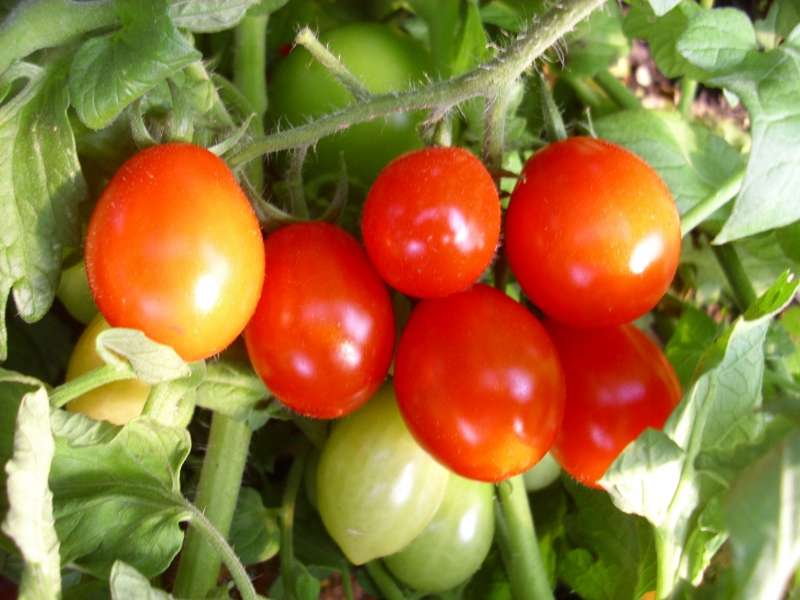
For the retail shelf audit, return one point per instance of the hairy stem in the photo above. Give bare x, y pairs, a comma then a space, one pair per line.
310, 42
287, 521
617, 91
217, 492
742, 289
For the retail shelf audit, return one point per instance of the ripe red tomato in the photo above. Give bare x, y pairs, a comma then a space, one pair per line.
432, 221
174, 249
323, 334
592, 233
479, 383
618, 384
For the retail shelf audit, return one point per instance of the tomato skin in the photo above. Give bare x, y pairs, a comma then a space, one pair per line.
431, 221
592, 233
174, 249
479, 383
117, 402
376, 488
618, 384
323, 334
454, 543
384, 60
75, 295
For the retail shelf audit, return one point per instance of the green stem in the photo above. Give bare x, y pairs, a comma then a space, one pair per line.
386, 584
217, 541
481, 81
495, 131
688, 92
518, 544
89, 381
39, 24
310, 42
714, 201
217, 492
617, 91
742, 289
293, 481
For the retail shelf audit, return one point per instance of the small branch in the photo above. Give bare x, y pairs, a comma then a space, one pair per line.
708, 205
742, 289
294, 183
310, 42
293, 481
688, 92
617, 91
89, 381
495, 131
381, 578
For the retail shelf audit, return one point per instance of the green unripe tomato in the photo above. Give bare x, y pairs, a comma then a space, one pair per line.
384, 60
74, 293
117, 402
542, 474
455, 542
376, 488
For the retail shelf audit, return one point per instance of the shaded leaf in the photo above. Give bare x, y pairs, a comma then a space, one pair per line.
209, 15
254, 533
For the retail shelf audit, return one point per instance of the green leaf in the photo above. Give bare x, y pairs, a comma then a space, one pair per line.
110, 72
789, 240
472, 43
40, 188
782, 18
237, 392
119, 500
29, 521
768, 84
254, 533
655, 476
209, 15
692, 160
152, 362
764, 520
662, 7
512, 15
694, 333
597, 43
128, 584
615, 558
661, 34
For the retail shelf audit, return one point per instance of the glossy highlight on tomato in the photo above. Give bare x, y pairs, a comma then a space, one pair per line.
117, 402
479, 383
323, 334
618, 384
377, 488
431, 221
174, 249
592, 233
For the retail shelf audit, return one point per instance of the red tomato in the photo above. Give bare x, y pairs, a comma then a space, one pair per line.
432, 221
479, 383
323, 334
618, 384
174, 249
592, 233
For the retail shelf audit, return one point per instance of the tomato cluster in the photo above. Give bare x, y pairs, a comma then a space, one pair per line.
481, 390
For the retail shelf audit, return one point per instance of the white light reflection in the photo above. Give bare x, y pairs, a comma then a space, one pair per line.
206, 292
303, 365
645, 253
401, 491
468, 526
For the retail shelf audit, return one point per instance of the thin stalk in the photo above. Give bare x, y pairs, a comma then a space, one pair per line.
518, 545
617, 91
483, 81
89, 381
495, 131
294, 183
688, 92
42, 24
386, 584
217, 492
293, 481
742, 289
310, 42
708, 205
220, 545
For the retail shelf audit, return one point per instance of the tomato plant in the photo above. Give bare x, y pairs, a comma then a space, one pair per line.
384, 60
618, 384
455, 541
117, 402
377, 488
74, 293
174, 249
323, 334
592, 233
432, 221
479, 383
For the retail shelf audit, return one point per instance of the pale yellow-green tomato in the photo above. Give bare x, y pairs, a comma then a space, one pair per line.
542, 474
116, 402
75, 295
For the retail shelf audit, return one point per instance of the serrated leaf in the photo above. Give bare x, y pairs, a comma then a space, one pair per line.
152, 362
111, 71
29, 521
768, 84
209, 15
692, 160
108, 494
234, 390
783, 16
716, 40
40, 188
254, 533
127, 583
661, 7
693, 334
655, 476
763, 514
661, 33
472, 44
